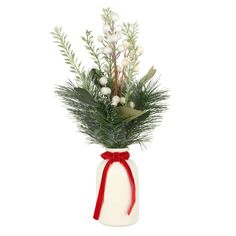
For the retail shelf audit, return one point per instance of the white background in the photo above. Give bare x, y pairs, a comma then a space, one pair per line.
187, 174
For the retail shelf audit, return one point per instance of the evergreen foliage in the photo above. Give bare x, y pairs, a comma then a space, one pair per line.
104, 121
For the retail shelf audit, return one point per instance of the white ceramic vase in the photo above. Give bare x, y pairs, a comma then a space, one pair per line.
117, 195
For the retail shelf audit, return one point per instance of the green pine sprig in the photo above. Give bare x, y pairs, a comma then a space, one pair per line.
60, 38
113, 127
131, 33
93, 51
106, 16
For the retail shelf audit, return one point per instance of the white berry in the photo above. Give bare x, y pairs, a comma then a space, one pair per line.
103, 80
101, 50
116, 99
105, 91
107, 50
100, 38
112, 38
125, 43
121, 48
122, 100
131, 104
125, 62
106, 28
140, 50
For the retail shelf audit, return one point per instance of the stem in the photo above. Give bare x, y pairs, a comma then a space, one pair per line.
122, 80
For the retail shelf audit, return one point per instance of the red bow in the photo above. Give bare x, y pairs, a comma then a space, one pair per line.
114, 157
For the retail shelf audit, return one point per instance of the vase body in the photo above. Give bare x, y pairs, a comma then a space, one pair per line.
117, 195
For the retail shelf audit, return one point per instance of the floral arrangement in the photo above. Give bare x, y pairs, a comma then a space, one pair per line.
112, 105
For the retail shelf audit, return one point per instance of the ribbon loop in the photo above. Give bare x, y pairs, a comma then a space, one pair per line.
114, 157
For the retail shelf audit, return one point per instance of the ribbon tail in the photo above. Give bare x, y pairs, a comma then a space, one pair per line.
101, 191
132, 185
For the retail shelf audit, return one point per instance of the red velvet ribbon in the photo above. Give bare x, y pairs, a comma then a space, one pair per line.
114, 157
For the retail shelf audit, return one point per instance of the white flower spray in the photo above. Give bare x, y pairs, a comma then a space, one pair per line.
114, 49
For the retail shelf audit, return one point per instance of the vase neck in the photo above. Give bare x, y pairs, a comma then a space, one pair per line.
117, 149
